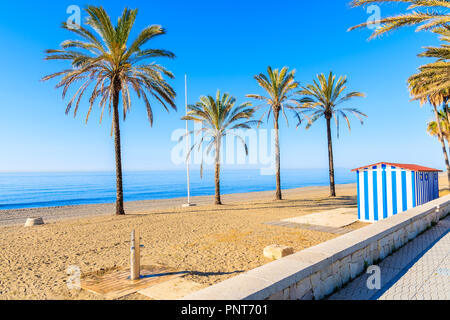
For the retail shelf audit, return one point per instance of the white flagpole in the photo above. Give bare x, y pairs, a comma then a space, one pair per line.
189, 204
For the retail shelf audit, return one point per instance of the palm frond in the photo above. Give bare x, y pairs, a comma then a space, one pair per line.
426, 15
432, 82
219, 116
324, 97
101, 59
279, 86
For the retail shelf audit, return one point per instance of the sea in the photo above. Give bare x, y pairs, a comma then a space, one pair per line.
55, 189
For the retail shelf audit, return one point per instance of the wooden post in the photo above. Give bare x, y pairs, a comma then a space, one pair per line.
135, 257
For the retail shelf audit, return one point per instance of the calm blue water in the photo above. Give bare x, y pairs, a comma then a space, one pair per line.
33, 190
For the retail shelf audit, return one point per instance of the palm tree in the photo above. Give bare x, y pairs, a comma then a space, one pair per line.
219, 117
431, 84
427, 15
108, 66
280, 86
432, 127
433, 80
323, 99
439, 127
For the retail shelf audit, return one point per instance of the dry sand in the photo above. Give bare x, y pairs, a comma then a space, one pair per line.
211, 243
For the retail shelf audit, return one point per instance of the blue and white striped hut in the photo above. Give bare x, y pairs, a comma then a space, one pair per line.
385, 189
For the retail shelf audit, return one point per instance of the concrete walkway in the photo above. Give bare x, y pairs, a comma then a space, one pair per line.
418, 271
336, 218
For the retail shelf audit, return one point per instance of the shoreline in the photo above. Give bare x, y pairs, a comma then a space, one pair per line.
14, 217
72, 202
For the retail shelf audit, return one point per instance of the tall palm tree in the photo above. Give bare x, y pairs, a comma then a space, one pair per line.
439, 128
219, 117
426, 14
323, 98
108, 66
431, 84
280, 86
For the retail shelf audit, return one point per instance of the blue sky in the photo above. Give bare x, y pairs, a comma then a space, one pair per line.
220, 45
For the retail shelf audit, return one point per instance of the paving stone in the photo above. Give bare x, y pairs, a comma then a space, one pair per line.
171, 290
308, 227
335, 218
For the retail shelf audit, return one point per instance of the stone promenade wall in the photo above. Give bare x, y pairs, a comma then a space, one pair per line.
318, 271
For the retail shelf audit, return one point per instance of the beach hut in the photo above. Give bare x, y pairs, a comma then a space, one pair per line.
385, 189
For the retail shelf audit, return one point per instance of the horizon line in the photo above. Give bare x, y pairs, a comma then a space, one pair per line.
156, 170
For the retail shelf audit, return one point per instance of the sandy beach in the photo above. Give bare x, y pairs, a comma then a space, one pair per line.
211, 243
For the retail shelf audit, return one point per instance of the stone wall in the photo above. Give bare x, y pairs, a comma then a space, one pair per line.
318, 271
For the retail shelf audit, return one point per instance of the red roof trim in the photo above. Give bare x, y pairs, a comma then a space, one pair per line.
412, 167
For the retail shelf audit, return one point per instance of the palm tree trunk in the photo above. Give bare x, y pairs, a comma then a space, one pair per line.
441, 139
119, 183
217, 174
330, 158
278, 195
446, 108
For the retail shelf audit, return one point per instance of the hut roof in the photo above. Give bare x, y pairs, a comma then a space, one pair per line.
412, 167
